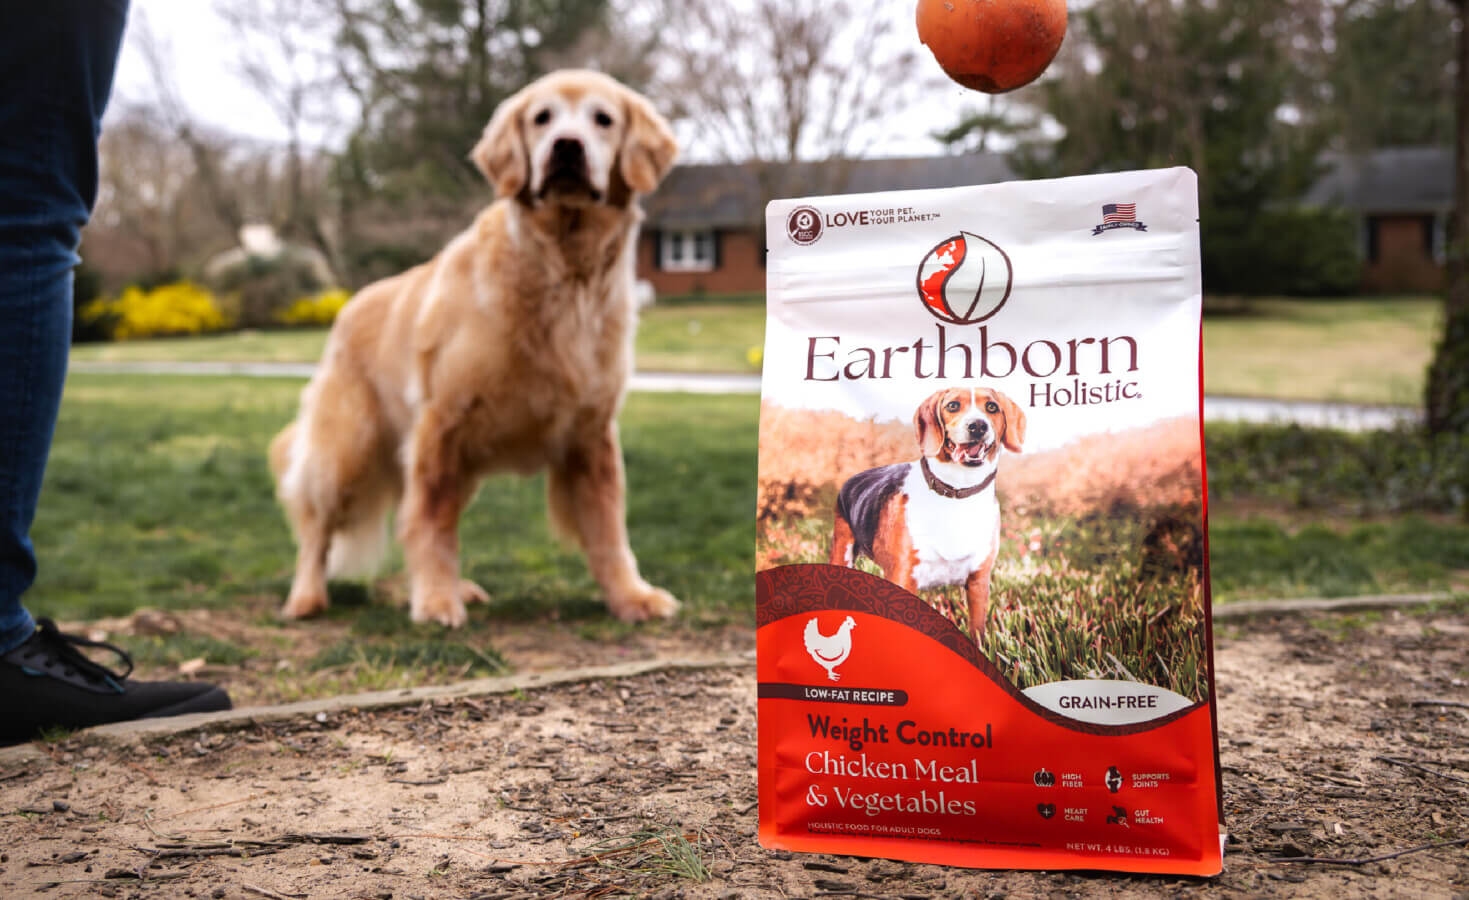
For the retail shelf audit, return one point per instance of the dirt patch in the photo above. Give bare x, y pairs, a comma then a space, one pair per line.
280, 661
510, 796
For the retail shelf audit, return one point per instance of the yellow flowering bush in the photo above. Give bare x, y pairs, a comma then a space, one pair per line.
317, 309
178, 308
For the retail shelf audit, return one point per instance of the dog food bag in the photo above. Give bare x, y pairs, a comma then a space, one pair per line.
983, 594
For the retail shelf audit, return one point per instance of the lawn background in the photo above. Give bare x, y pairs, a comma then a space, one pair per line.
1360, 350
158, 496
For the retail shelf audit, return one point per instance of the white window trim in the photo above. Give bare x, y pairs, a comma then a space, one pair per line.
676, 250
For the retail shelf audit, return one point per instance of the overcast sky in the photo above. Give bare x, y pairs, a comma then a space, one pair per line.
199, 43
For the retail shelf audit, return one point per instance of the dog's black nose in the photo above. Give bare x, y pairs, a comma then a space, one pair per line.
567, 153
978, 428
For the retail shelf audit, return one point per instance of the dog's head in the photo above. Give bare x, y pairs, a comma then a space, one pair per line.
968, 425
575, 138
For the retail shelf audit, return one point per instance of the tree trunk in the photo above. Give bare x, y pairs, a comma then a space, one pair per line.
1447, 400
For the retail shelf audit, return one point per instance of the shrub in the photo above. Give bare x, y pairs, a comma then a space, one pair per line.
179, 308
258, 288
1297, 252
317, 309
86, 286
1377, 472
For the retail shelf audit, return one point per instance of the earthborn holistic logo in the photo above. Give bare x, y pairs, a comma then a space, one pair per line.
965, 279
1119, 215
803, 225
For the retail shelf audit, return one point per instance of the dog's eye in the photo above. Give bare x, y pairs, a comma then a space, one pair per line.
952, 406
992, 407
602, 119
542, 117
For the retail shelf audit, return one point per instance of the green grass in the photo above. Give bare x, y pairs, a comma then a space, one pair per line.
1360, 350
1365, 474
701, 337
1256, 558
157, 494
409, 654
1072, 599
289, 345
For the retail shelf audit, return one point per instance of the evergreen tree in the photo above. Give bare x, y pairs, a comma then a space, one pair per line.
1390, 75
1217, 87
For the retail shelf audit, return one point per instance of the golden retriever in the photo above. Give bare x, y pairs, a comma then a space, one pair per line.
509, 350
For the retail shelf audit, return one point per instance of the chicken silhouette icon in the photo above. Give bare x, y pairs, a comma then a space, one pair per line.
830, 651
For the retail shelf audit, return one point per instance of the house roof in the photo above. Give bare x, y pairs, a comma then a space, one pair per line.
1392, 180
729, 195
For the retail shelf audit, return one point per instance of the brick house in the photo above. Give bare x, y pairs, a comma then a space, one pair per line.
1402, 197
704, 231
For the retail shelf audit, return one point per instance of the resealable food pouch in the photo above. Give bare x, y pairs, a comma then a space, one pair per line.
983, 597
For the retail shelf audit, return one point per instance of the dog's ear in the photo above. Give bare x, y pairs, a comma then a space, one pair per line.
1014, 434
928, 426
500, 153
648, 149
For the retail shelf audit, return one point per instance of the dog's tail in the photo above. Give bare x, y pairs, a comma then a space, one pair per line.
360, 543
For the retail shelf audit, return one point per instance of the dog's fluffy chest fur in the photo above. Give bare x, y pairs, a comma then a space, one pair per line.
952, 537
576, 317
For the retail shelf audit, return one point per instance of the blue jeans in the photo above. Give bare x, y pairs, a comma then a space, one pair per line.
56, 64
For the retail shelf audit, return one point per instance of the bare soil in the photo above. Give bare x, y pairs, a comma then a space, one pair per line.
509, 796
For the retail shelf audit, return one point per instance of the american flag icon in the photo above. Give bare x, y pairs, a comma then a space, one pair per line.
1119, 212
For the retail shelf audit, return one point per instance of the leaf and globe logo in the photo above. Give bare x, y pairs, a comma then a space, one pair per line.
803, 225
965, 279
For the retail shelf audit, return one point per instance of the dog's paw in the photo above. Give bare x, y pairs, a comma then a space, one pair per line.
469, 592
643, 603
304, 605
445, 609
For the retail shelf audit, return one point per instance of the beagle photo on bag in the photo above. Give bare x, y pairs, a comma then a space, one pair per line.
935, 522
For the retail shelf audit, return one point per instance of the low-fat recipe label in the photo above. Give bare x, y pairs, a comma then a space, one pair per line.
982, 594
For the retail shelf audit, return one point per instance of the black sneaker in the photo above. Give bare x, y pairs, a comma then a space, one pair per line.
48, 683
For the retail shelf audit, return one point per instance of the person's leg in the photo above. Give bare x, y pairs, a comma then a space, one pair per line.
56, 66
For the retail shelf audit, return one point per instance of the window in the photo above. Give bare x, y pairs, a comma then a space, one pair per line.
687, 250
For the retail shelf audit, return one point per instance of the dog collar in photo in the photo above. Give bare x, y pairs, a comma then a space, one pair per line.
945, 489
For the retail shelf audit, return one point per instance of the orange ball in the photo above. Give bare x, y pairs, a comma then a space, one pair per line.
992, 45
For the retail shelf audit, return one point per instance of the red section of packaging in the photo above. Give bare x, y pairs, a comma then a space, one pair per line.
883, 732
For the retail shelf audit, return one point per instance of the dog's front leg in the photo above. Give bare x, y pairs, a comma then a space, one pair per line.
977, 587
585, 494
437, 490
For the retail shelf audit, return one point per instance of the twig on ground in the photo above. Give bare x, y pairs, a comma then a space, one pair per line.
114, 878
141, 770
1457, 704
1364, 860
185, 812
202, 852
324, 837
1412, 765
267, 892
